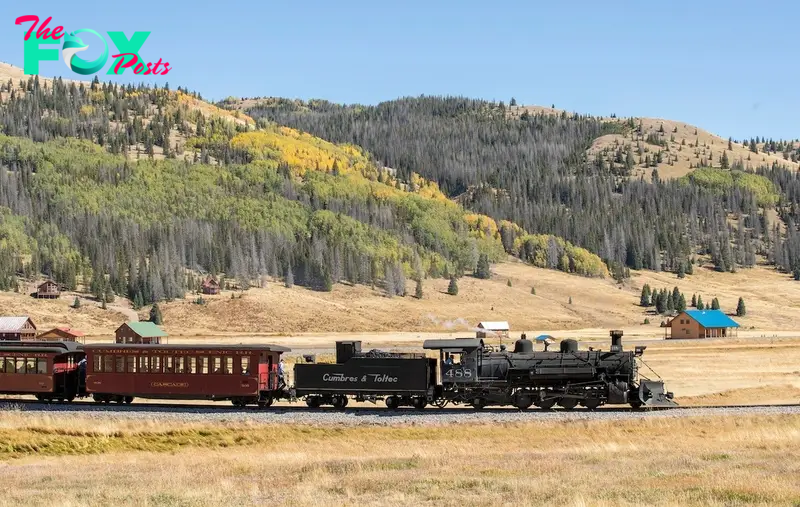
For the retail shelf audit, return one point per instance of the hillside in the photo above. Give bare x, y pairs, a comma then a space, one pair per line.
597, 305
684, 147
141, 191
579, 177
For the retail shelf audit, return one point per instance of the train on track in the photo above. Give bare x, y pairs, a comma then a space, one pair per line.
464, 371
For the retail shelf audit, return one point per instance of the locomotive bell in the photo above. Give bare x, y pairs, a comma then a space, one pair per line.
616, 340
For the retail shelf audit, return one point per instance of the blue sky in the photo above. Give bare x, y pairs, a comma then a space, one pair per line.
726, 66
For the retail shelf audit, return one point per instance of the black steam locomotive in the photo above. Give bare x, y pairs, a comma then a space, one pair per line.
470, 372
478, 375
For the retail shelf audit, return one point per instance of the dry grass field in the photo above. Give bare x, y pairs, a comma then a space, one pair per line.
747, 460
773, 304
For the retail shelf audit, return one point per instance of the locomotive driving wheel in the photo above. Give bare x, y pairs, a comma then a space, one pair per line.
568, 403
523, 401
546, 404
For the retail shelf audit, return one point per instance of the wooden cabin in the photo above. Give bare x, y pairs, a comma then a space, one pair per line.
62, 334
694, 324
498, 329
210, 286
140, 333
48, 290
17, 328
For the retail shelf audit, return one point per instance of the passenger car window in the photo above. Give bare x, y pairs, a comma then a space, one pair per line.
217, 364
120, 364
228, 365
204, 361
31, 365
179, 364
155, 364
131, 364
41, 366
97, 365
144, 364
168, 364
192, 364
20, 365
108, 363
245, 365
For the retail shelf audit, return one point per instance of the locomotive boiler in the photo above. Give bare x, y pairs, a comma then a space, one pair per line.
479, 375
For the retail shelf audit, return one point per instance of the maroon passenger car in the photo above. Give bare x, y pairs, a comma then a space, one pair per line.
47, 370
244, 374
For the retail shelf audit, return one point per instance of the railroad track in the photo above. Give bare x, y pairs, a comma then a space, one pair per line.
223, 407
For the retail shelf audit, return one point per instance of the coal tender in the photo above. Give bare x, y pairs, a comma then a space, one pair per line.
400, 379
478, 375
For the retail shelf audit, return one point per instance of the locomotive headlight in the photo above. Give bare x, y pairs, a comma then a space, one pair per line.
639, 350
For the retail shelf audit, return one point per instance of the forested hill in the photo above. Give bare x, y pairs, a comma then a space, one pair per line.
532, 168
141, 191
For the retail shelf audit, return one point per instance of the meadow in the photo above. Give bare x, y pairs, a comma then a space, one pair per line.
747, 460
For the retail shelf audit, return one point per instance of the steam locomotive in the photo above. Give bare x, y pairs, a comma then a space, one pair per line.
470, 372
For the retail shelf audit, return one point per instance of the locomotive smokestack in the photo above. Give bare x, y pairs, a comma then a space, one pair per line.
616, 340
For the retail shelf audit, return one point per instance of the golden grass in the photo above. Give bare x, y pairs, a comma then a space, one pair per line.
658, 461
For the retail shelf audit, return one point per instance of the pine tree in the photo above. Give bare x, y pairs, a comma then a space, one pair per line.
661, 302
700, 305
694, 301
715, 304
508, 283
681, 307
681, 270
418, 290
155, 315
76, 303
482, 269
644, 299
676, 295
288, 279
452, 289
741, 311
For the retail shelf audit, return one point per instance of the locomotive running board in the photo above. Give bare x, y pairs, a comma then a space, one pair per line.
652, 394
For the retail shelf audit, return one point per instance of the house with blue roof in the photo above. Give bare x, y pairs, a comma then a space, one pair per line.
701, 324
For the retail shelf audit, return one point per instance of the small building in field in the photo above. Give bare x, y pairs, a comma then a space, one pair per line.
492, 330
61, 334
210, 286
692, 324
48, 290
140, 333
17, 328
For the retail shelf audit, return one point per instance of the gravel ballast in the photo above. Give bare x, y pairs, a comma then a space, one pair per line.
378, 416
